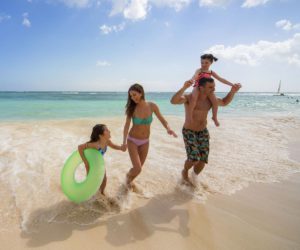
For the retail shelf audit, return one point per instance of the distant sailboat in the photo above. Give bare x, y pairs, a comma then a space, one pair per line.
278, 91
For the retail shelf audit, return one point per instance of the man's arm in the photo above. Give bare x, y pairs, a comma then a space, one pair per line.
179, 97
228, 98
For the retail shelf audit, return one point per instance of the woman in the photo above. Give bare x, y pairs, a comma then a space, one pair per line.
137, 141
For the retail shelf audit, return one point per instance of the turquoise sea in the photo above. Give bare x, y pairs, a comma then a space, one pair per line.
72, 105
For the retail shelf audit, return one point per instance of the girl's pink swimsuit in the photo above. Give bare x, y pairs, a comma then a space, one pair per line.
202, 75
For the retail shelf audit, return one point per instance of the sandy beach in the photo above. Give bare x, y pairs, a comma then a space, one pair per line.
233, 212
263, 216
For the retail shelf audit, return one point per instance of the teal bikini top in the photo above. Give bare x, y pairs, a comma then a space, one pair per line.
145, 121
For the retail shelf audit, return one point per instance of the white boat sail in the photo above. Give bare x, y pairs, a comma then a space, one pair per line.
278, 91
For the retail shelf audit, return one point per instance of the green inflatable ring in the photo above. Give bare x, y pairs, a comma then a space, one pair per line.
82, 191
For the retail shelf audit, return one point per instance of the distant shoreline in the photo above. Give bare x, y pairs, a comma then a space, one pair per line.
123, 92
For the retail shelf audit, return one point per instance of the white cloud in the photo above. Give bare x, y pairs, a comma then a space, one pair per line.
105, 29
253, 3
287, 25
139, 9
118, 6
177, 5
253, 54
213, 3
294, 59
136, 9
4, 17
103, 64
26, 21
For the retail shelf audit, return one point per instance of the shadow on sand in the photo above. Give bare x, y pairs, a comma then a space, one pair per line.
122, 228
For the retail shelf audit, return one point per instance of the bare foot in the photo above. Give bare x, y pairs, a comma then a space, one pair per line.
194, 179
216, 121
134, 188
128, 182
137, 189
185, 179
128, 185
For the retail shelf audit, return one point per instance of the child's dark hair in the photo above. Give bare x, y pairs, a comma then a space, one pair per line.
209, 57
130, 106
204, 80
97, 130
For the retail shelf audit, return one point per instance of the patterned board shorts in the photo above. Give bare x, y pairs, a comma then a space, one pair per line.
196, 144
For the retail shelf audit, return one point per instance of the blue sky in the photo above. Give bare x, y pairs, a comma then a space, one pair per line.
91, 45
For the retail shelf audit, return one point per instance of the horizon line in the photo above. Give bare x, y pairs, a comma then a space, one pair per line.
110, 91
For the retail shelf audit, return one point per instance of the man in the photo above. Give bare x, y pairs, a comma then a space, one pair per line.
195, 133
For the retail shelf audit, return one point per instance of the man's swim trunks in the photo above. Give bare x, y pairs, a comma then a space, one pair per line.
196, 144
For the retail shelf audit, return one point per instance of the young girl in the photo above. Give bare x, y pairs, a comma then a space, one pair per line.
206, 61
100, 140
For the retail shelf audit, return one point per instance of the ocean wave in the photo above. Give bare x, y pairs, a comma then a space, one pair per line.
70, 93
243, 151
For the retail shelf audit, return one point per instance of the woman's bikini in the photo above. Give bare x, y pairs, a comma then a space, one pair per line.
140, 121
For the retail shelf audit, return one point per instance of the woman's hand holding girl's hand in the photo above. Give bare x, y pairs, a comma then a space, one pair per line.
124, 147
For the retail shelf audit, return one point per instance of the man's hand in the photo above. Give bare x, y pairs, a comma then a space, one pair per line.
178, 97
236, 87
228, 98
187, 84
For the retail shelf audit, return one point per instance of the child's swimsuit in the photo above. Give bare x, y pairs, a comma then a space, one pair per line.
202, 75
102, 151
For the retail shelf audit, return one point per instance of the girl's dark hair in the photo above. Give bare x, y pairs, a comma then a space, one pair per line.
209, 57
130, 106
97, 130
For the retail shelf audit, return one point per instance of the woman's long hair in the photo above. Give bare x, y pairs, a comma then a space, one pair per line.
130, 106
97, 131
